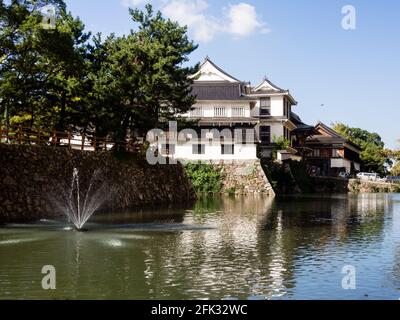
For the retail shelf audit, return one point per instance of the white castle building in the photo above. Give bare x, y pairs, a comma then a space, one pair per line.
233, 120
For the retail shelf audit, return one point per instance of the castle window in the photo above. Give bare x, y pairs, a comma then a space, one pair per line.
220, 112
238, 112
227, 149
199, 149
265, 107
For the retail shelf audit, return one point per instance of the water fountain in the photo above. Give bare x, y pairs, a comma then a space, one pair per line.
79, 205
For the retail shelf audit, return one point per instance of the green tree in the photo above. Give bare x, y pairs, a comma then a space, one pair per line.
40, 68
394, 155
395, 170
140, 79
372, 146
280, 143
361, 137
56, 78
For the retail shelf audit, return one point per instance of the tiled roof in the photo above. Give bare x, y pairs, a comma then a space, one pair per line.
320, 139
301, 126
333, 137
218, 91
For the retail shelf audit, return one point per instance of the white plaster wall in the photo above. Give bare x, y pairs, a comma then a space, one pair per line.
208, 107
344, 163
209, 73
277, 106
286, 156
255, 112
213, 152
341, 163
276, 130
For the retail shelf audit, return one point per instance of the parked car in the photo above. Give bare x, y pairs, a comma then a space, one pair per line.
393, 179
368, 176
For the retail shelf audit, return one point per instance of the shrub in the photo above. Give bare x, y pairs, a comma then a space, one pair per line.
281, 143
205, 178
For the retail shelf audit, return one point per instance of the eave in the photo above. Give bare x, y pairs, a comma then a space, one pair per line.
275, 94
290, 125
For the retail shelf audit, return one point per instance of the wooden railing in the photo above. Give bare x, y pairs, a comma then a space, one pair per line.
32, 136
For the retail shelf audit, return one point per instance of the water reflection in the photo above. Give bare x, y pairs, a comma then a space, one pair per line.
249, 248
257, 246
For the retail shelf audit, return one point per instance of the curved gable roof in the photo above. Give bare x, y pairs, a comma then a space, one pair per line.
267, 85
327, 131
209, 71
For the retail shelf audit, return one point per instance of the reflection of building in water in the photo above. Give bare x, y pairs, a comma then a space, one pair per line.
367, 204
251, 247
277, 264
394, 273
394, 276
223, 261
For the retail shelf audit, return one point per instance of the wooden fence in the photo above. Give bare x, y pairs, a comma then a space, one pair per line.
31, 136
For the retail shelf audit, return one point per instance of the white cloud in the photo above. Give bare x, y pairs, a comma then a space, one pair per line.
133, 3
243, 20
239, 20
192, 14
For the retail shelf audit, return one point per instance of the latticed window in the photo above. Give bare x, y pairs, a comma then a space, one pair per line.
265, 134
245, 136
199, 149
238, 112
220, 112
336, 153
197, 112
265, 107
227, 149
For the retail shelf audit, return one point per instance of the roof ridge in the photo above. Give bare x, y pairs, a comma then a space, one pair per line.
330, 130
265, 79
207, 59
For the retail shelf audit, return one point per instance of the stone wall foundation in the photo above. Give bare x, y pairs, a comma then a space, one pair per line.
30, 176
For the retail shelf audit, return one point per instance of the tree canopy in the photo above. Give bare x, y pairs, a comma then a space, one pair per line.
373, 153
395, 170
395, 156
40, 68
62, 77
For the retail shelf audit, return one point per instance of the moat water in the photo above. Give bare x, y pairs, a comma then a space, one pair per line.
222, 248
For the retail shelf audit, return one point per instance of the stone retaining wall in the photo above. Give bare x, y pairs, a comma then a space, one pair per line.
360, 186
330, 185
31, 176
339, 185
244, 177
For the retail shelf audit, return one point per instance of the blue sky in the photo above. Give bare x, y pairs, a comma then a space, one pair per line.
299, 45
